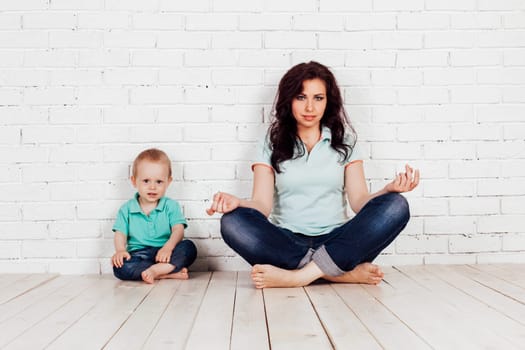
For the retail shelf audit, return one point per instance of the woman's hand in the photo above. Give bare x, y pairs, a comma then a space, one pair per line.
404, 182
118, 258
223, 203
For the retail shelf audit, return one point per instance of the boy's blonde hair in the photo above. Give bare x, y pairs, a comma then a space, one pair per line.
154, 155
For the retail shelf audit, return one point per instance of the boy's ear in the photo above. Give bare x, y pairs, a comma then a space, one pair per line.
170, 179
133, 180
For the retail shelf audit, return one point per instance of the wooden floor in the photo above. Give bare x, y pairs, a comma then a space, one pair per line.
423, 307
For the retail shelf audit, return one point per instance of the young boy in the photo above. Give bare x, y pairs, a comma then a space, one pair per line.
149, 228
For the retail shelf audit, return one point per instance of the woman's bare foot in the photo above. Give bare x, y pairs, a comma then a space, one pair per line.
156, 271
363, 273
181, 275
269, 276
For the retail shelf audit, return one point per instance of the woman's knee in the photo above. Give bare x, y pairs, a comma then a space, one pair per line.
397, 206
231, 222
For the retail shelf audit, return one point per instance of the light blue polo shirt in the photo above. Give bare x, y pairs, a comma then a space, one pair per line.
309, 193
151, 230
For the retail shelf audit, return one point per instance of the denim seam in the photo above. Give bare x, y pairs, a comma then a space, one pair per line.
325, 262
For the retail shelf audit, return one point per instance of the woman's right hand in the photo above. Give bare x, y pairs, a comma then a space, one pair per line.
223, 203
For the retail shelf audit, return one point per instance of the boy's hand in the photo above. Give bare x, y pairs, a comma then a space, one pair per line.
163, 255
118, 258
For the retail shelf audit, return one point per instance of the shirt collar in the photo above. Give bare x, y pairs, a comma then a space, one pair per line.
135, 206
326, 133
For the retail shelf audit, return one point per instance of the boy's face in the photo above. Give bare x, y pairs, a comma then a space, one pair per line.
151, 180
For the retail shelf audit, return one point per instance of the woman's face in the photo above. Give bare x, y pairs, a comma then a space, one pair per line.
308, 107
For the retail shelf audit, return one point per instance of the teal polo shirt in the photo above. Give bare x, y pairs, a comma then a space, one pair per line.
309, 195
151, 230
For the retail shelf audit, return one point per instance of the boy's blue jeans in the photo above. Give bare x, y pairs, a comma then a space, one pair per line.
183, 255
361, 239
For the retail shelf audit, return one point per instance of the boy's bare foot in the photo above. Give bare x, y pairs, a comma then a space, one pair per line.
363, 273
181, 275
269, 276
156, 271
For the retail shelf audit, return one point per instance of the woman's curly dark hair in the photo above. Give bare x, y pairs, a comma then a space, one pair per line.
284, 142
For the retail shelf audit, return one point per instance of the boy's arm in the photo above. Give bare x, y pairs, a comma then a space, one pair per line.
120, 240
177, 234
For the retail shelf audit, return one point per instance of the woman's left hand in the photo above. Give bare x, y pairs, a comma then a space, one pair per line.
404, 182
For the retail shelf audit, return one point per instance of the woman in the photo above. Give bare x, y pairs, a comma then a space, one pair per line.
308, 164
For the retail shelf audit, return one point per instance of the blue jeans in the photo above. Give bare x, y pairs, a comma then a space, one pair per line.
183, 255
248, 232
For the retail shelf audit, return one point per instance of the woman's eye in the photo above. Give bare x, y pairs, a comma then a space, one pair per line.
319, 98
300, 97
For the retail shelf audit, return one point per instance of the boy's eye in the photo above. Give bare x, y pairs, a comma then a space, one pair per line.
145, 181
159, 182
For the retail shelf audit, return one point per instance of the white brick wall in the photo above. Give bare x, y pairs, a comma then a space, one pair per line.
86, 84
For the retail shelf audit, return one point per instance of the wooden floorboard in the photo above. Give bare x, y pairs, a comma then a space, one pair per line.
415, 307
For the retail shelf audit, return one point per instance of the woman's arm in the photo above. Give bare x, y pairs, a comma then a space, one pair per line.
262, 194
357, 190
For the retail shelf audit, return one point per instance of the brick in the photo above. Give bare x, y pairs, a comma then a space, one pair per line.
10, 135
422, 59
76, 266
10, 174
193, 6
131, 5
183, 40
24, 230
397, 114
256, 95
103, 20
359, 40
397, 40
130, 39
209, 171
11, 58
290, 5
320, 22
76, 191
423, 133
500, 113
10, 97
237, 114
373, 21
10, 250
23, 154
487, 5
329, 58
505, 76
501, 187
499, 39
449, 113
95, 248
513, 243
449, 225
265, 21
474, 244
75, 115
48, 173
375, 132
500, 223
370, 59
449, 39
212, 133
370, 96
75, 77
199, 95
264, 58
130, 77
513, 94
237, 77
450, 5
423, 95
69, 153
475, 21
50, 212
156, 133
76, 5
513, 205
233, 152
397, 77
473, 169
50, 20
449, 188
426, 21
96, 210
448, 76
210, 58
23, 39
475, 94
474, 206
76, 39
516, 258
156, 95
211, 22
10, 212
102, 96
104, 58
421, 244
449, 150
500, 150
183, 114
237, 6
475, 58
514, 57
448, 259
251, 132
399, 150
475, 132
47, 135
344, 6
290, 40
512, 167
157, 58
49, 96
7, 5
